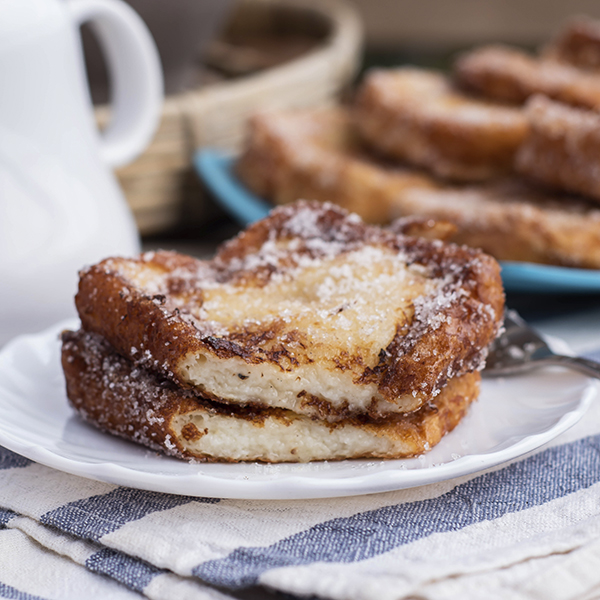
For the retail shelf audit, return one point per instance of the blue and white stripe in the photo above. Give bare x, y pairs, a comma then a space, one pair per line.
536, 480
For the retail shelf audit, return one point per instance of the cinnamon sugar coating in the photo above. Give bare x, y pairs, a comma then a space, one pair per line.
113, 394
309, 309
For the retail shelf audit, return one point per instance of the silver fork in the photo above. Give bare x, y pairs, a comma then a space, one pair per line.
520, 349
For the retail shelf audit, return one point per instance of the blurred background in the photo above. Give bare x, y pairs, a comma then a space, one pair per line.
224, 59
430, 24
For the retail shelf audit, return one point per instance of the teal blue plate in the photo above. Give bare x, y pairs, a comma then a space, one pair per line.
215, 169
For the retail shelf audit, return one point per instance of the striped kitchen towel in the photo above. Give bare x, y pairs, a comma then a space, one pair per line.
527, 530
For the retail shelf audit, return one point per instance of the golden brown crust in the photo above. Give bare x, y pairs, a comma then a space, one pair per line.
112, 394
417, 116
509, 75
447, 334
563, 147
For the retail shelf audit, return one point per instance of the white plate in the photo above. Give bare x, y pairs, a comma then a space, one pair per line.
513, 416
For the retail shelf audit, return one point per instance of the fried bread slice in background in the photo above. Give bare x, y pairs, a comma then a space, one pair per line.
417, 116
578, 44
510, 75
317, 155
309, 310
111, 393
511, 219
563, 148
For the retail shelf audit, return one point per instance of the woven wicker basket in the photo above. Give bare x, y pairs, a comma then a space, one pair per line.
161, 182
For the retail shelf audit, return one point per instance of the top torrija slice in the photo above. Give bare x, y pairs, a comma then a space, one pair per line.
309, 309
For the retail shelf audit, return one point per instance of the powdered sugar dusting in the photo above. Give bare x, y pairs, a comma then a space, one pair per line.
304, 223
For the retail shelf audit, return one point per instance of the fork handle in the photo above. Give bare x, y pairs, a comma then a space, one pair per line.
583, 365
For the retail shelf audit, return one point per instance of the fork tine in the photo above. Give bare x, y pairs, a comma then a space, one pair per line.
516, 348
513, 322
513, 318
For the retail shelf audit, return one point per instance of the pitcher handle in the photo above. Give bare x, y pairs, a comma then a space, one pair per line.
135, 76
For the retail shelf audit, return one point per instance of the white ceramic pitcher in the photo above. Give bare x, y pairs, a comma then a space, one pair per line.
60, 205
